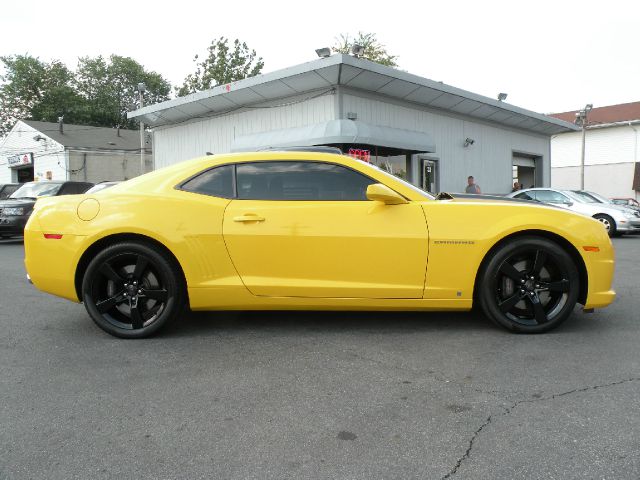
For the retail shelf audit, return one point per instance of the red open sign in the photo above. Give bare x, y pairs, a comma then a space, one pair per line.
360, 154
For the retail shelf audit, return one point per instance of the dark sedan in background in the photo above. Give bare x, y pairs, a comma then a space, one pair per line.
15, 210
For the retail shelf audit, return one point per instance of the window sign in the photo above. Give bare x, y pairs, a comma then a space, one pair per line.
20, 160
360, 154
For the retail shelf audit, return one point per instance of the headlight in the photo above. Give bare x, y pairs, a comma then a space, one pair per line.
13, 211
629, 215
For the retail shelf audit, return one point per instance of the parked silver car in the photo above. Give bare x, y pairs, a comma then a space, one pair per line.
616, 220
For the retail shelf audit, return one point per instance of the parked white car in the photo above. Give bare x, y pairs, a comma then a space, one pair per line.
617, 221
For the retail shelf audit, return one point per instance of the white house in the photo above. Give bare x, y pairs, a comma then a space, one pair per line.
55, 151
611, 152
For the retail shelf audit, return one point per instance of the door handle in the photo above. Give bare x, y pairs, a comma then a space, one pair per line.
248, 217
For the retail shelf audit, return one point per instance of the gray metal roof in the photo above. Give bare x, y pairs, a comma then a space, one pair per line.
337, 132
87, 137
347, 71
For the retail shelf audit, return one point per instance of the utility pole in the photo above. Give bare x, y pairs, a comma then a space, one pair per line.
582, 120
141, 89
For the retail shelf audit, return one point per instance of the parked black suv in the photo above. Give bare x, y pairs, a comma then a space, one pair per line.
15, 210
7, 189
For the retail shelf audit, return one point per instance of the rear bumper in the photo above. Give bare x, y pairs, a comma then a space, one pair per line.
51, 263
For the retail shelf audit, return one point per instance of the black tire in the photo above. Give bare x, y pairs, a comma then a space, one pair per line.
608, 222
132, 290
528, 285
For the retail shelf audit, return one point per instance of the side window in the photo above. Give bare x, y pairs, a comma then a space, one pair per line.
217, 182
300, 181
66, 189
525, 196
548, 196
73, 188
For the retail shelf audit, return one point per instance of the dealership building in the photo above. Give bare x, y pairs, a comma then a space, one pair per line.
433, 134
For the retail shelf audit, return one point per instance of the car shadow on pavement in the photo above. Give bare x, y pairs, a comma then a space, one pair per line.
198, 324
213, 323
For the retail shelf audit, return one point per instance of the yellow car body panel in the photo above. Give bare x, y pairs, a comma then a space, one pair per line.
328, 249
362, 255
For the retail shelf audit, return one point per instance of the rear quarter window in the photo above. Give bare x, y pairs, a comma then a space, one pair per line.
216, 182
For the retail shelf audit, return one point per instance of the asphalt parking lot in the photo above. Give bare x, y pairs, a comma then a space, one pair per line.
254, 395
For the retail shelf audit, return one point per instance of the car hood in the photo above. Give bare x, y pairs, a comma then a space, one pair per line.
493, 199
16, 203
608, 209
622, 208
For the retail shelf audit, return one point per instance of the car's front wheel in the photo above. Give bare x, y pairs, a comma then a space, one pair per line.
131, 290
608, 222
528, 285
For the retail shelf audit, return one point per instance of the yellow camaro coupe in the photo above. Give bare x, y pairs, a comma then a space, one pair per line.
309, 230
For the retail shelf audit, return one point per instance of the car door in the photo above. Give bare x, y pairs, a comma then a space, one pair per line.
306, 229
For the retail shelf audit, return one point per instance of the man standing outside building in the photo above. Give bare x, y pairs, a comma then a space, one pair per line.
472, 187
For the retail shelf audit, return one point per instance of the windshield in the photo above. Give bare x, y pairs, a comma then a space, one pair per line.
401, 180
599, 197
582, 197
101, 186
35, 190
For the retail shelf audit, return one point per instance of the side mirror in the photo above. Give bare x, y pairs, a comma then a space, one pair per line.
568, 204
381, 193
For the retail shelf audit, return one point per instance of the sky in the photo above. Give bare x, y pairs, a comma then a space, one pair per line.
549, 56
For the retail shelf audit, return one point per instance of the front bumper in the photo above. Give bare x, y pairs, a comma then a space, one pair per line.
629, 226
11, 226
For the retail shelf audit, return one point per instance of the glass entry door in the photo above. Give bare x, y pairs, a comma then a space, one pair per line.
430, 175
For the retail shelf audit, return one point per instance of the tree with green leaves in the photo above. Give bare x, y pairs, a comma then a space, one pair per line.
373, 49
37, 90
99, 93
109, 88
224, 63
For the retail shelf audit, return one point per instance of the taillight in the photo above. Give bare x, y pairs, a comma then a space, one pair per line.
53, 236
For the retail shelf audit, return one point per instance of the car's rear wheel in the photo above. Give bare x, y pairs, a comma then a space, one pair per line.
608, 222
529, 285
132, 290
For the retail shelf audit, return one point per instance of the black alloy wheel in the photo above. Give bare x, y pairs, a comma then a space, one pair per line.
132, 290
529, 285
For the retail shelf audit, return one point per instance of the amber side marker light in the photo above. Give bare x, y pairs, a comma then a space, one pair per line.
53, 236
591, 249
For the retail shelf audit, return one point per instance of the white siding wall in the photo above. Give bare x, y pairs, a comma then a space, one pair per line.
610, 154
51, 162
602, 146
489, 159
48, 154
181, 142
613, 180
